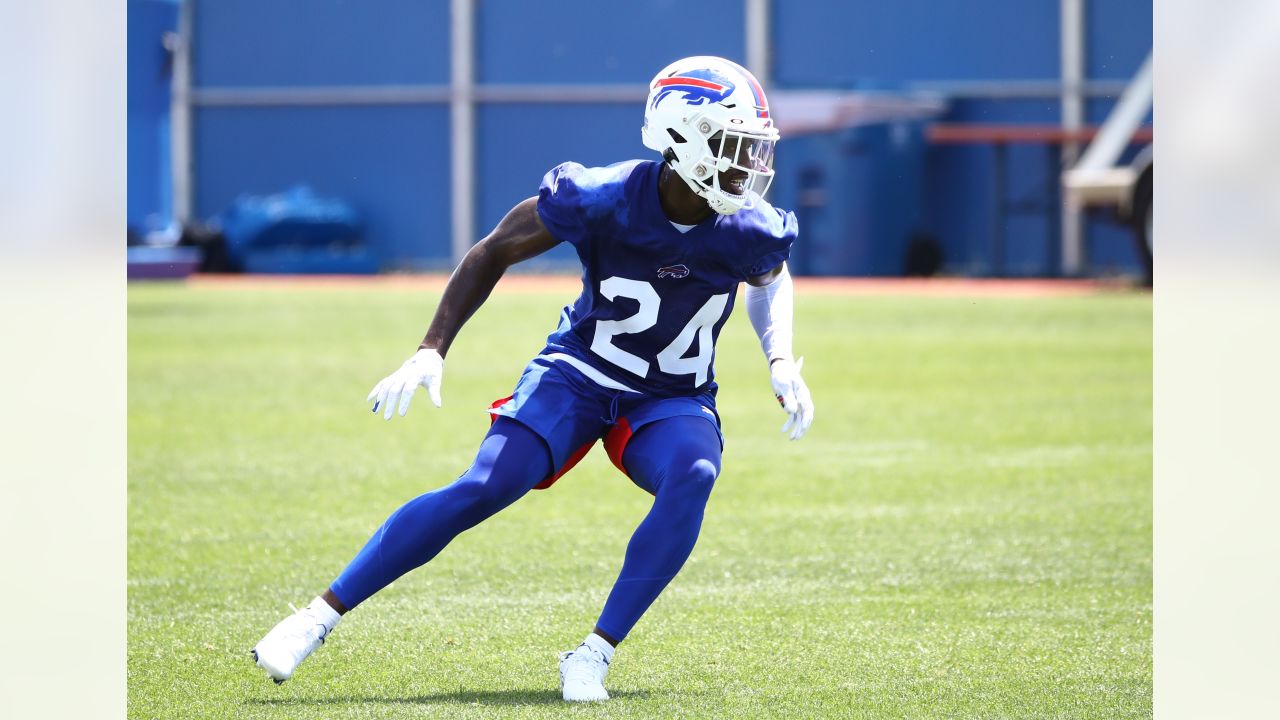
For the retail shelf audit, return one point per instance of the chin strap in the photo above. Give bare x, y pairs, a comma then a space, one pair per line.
700, 188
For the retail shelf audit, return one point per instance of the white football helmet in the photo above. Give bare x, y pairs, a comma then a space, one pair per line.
709, 119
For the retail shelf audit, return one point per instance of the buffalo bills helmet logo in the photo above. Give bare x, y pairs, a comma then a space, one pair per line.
673, 271
697, 86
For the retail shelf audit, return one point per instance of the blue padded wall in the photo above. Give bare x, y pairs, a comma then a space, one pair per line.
391, 163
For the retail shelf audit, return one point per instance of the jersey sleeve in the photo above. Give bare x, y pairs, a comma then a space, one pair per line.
561, 206
771, 242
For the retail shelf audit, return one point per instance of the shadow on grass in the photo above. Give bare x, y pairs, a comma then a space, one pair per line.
463, 697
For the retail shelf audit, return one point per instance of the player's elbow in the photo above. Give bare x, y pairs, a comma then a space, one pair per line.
520, 236
767, 278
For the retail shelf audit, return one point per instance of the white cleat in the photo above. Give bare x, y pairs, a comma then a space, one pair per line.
582, 674
291, 641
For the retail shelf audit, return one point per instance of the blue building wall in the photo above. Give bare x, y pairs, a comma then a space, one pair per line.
590, 41
873, 44
392, 160
287, 43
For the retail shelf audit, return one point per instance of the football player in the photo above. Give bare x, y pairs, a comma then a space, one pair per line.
664, 245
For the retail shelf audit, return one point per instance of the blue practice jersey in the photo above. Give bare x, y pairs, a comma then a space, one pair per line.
653, 298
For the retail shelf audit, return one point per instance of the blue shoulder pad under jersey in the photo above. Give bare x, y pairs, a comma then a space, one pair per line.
573, 199
769, 234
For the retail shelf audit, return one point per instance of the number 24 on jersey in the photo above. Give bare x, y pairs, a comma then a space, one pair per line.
671, 359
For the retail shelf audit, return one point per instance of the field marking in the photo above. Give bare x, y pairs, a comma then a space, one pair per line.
530, 283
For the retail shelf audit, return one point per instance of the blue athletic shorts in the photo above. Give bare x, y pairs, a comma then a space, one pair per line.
556, 400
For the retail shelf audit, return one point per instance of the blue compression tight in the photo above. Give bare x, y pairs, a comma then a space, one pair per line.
511, 460
677, 459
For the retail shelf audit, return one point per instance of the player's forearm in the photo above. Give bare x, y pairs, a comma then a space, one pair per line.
468, 287
770, 308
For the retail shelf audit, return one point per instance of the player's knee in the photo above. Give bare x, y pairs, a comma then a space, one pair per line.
700, 477
477, 491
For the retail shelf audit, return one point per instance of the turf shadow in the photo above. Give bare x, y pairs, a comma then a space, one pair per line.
466, 697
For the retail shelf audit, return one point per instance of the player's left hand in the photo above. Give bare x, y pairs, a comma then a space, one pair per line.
425, 369
793, 396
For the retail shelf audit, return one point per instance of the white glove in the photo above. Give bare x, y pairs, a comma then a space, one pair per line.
425, 368
793, 396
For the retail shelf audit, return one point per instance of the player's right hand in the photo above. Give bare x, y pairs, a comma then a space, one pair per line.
793, 395
425, 368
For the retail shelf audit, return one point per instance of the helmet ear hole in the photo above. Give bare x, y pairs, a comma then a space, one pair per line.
675, 135
669, 156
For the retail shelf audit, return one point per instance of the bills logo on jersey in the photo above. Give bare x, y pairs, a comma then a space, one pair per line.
698, 87
673, 271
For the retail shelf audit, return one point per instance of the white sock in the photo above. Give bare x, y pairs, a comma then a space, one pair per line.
325, 612
596, 642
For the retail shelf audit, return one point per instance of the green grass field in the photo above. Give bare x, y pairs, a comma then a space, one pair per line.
965, 532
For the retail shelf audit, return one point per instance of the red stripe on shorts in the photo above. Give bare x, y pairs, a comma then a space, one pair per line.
574, 459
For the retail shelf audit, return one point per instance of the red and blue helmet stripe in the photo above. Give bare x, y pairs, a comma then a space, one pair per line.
762, 104
757, 92
707, 85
